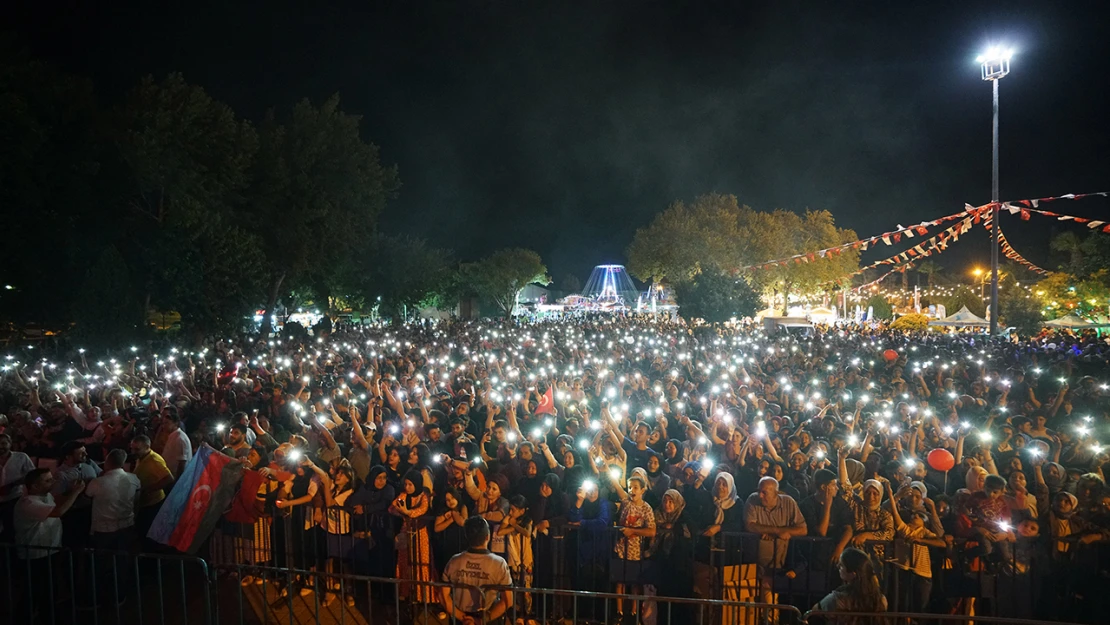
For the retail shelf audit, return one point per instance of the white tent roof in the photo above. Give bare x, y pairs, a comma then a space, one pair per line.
962, 319
1074, 322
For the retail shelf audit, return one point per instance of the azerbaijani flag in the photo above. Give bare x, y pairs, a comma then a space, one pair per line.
197, 501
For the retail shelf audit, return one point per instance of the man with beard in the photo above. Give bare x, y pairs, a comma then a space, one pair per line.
75, 468
236, 441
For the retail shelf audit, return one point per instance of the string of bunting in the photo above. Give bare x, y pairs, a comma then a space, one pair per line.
887, 238
905, 260
1034, 203
1025, 208
935, 244
1009, 252
882, 277
975, 213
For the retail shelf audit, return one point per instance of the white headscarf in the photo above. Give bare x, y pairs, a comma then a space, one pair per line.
728, 500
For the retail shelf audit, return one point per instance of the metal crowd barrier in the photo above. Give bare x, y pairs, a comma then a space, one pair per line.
89, 586
728, 566
578, 606
68, 586
822, 617
253, 594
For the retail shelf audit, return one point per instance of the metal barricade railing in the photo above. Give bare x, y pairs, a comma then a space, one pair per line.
580, 606
823, 617
98, 586
254, 594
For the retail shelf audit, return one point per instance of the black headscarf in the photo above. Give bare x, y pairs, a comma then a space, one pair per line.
375, 500
677, 454
529, 486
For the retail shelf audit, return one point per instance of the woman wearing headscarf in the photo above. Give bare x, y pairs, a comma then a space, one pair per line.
658, 481
724, 521
973, 483
672, 459
373, 526
590, 515
671, 551
572, 472
451, 515
873, 524
548, 517
528, 485
414, 549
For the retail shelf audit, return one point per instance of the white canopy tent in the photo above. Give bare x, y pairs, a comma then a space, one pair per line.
822, 315
1074, 322
962, 319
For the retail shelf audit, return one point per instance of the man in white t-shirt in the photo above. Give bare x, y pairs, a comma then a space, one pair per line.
477, 567
178, 449
113, 495
37, 518
14, 467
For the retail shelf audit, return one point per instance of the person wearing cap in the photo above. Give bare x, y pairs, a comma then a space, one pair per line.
827, 516
919, 530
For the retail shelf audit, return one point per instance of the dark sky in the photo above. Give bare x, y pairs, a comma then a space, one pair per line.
564, 126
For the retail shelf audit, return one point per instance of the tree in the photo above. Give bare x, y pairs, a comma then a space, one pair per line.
715, 231
188, 159
1062, 293
929, 269
316, 194
913, 322
783, 234
570, 283
880, 307
1018, 308
1070, 244
500, 276
214, 282
683, 238
406, 273
716, 296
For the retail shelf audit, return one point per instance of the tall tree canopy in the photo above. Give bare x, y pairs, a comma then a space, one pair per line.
405, 273
716, 296
716, 231
500, 276
317, 192
187, 159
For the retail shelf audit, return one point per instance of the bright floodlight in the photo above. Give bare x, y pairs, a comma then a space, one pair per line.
995, 62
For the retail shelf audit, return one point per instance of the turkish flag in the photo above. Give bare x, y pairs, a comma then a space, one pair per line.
547, 403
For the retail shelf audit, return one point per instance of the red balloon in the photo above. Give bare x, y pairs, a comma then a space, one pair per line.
941, 460
890, 355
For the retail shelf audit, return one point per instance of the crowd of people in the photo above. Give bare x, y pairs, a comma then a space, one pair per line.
849, 468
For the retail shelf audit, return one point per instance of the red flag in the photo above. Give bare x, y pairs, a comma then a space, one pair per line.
547, 403
244, 508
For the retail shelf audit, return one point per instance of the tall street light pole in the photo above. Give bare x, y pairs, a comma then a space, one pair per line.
995, 64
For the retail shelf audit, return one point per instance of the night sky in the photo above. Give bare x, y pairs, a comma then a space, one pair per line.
564, 126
